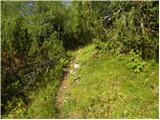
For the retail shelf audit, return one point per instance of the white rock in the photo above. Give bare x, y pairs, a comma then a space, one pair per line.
76, 66
71, 71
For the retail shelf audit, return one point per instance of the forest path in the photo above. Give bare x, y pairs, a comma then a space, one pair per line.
105, 88
64, 85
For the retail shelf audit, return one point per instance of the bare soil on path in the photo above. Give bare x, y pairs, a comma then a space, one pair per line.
63, 85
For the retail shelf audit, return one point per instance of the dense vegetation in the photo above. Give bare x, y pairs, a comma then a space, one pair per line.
36, 37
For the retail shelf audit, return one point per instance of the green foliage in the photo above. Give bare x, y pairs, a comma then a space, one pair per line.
104, 47
131, 30
64, 62
130, 27
43, 98
16, 42
135, 62
27, 56
36, 37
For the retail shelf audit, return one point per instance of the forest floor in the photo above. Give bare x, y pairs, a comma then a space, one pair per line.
106, 88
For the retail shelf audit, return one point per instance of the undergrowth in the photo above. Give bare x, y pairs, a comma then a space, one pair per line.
135, 61
43, 99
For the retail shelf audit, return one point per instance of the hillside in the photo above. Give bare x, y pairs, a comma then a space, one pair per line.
79, 59
106, 88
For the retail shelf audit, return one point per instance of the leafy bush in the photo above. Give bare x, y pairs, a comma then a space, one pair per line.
103, 47
24, 61
131, 27
135, 61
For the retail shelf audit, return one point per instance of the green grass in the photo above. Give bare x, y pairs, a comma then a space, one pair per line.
43, 99
108, 89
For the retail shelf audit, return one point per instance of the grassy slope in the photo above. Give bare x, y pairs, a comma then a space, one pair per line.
108, 89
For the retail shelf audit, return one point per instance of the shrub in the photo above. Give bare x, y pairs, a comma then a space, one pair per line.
135, 61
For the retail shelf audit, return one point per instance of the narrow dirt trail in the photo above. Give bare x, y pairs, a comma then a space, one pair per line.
64, 85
